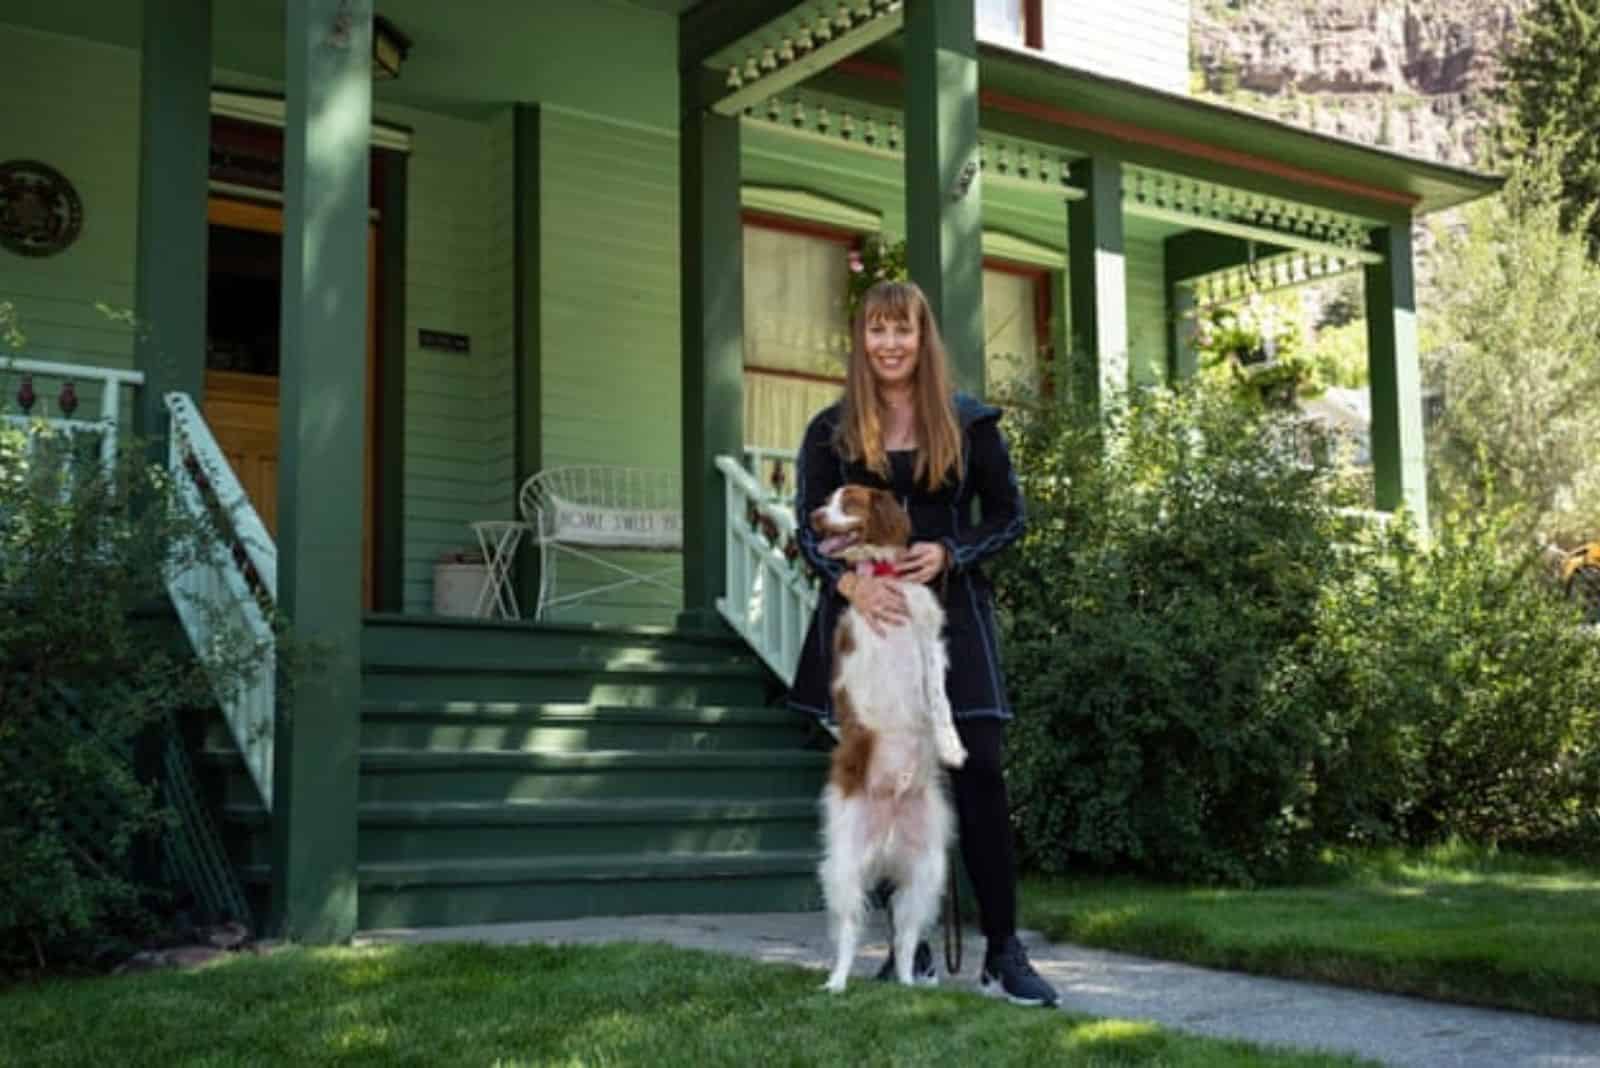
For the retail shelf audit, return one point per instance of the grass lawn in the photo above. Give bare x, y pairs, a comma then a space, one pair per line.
567, 1006
1452, 924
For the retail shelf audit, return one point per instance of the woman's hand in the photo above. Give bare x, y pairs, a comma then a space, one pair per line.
923, 562
876, 601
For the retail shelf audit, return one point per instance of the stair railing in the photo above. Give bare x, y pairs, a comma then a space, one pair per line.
769, 595
234, 591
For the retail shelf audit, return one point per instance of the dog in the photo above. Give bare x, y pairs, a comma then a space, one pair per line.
885, 812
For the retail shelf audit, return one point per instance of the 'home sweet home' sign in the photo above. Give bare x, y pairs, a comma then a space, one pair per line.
634, 528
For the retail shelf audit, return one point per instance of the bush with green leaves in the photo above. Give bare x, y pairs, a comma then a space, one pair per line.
1219, 669
90, 663
1174, 555
1468, 692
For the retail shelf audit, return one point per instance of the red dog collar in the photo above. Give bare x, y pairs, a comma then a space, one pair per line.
880, 569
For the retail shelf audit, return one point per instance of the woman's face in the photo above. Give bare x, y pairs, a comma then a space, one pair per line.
892, 346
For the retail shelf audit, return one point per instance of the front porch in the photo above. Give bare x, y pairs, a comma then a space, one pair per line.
619, 235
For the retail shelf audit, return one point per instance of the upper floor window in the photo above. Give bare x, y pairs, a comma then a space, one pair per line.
1013, 22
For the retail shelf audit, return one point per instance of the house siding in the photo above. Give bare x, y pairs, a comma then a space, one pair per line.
1143, 41
458, 279
87, 127
609, 340
1145, 267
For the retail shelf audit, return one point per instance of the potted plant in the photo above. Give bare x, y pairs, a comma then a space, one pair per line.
1258, 345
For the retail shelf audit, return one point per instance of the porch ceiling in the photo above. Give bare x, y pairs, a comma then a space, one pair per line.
461, 63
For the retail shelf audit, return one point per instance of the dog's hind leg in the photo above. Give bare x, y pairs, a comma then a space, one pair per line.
842, 887
916, 905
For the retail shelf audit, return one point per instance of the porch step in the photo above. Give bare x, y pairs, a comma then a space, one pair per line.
625, 681
515, 772
453, 726
564, 887
441, 639
403, 832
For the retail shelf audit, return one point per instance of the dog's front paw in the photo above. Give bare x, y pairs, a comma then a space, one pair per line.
952, 754
834, 985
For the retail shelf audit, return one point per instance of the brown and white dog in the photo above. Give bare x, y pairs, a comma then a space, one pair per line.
885, 813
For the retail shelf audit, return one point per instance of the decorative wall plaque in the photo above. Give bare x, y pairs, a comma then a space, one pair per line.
40, 213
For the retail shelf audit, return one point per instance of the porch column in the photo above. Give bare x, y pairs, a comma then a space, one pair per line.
711, 259
174, 167
944, 215
1397, 448
328, 93
1099, 297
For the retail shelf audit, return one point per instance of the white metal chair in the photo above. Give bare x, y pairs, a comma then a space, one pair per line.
584, 511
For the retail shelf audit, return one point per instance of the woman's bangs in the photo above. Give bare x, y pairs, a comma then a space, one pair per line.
890, 301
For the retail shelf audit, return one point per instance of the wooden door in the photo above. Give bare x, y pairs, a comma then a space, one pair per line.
241, 406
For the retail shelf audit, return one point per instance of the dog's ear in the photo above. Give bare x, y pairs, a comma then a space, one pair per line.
887, 523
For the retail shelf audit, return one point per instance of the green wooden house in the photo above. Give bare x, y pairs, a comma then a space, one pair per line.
385, 266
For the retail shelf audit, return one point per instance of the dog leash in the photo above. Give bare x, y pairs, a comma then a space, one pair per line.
952, 924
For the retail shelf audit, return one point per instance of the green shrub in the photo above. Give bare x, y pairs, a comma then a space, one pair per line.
1470, 695
1174, 555
1217, 672
90, 663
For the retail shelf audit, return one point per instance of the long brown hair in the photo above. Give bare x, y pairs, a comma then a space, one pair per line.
860, 433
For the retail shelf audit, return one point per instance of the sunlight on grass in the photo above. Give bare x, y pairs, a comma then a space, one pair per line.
1454, 922
537, 1005
1125, 1035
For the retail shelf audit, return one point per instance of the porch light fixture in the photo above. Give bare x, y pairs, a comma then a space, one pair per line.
390, 48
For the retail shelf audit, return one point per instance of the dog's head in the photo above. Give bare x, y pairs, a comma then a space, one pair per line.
859, 522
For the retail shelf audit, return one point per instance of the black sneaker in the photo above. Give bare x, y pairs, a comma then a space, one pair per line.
1007, 974
922, 970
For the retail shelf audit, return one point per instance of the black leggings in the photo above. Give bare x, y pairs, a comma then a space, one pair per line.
983, 816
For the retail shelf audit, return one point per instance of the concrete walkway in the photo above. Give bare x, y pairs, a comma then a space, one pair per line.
1392, 1030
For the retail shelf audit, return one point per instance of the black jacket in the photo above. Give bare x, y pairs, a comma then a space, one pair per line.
975, 683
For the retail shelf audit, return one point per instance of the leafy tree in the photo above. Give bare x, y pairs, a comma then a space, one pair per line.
1513, 346
1552, 81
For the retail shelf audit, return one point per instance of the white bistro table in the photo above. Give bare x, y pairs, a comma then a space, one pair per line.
498, 538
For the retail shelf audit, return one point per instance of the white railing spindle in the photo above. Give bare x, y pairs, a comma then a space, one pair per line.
769, 597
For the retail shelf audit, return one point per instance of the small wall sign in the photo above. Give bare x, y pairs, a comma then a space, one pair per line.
40, 213
440, 341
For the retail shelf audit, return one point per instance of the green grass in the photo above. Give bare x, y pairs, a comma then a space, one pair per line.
567, 1006
1453, 924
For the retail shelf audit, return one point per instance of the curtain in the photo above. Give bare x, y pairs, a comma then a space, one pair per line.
1010, 334
794, 321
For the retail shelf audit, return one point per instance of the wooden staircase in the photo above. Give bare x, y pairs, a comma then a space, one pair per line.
519, 773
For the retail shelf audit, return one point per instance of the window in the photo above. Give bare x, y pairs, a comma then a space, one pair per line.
796, 338
1016, 328
1012, 22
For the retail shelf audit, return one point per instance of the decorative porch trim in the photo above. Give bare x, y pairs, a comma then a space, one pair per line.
268, 110
792, 48
838, 122
1283, 271
800, 204
1164, 197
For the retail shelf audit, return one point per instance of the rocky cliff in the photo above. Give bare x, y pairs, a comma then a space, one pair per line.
1416, 76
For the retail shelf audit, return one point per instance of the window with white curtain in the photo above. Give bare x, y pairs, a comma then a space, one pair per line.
796, 337
1011, 341
1001, 20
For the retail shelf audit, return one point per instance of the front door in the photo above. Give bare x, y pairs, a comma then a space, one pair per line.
243, 313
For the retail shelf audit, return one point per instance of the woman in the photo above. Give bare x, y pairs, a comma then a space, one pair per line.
901, 427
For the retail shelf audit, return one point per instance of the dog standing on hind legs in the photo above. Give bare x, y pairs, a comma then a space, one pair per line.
885, 811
